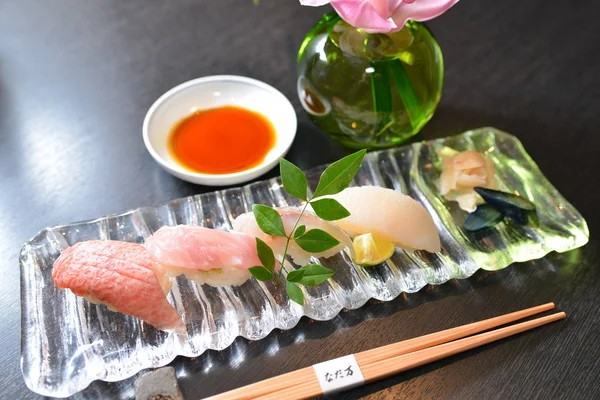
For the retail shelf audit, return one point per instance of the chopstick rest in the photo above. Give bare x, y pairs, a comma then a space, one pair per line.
339, 374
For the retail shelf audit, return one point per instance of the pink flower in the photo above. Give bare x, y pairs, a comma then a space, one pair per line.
383, 16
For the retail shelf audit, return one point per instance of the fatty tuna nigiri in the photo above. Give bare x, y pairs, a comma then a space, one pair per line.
246, 223
210, 256
121, 276
389, 214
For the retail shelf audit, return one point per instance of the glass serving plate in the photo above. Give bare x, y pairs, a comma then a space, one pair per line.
67, 342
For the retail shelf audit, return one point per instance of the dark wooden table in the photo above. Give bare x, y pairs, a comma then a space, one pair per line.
76, 78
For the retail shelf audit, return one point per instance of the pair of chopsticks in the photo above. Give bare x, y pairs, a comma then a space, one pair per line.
398, 357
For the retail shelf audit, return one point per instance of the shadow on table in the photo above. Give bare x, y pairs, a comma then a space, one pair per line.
449, 121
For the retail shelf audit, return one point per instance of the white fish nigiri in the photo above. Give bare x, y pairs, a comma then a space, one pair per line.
246, 223
210, 256
390, 215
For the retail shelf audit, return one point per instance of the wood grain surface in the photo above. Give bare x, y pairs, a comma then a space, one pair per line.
77, 77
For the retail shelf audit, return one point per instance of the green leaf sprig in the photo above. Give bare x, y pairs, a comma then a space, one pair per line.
333, 180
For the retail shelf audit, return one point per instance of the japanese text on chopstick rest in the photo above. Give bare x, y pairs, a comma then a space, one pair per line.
339, 373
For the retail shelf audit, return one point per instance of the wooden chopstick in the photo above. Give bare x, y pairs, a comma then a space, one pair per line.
304, 375
448, 335
394, 365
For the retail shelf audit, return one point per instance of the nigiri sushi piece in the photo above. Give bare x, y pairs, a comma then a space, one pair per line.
246, 223
461, 172
390, 215
204, 255
121, 276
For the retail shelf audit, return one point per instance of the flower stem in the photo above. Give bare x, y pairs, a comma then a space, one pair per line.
406, 92
382, 96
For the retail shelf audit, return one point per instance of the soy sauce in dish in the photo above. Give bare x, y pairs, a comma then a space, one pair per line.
222, 140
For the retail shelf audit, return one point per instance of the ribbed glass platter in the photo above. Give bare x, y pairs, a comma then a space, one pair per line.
67, 342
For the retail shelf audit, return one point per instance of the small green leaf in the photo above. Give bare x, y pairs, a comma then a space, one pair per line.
338, 175
295, 275
294, 293
329, 209
294, 180
316, 241
265, 254
313, 274
300, 231
268, 220
261, 273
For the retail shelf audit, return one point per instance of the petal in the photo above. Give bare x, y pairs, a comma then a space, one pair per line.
314, 3
421, 10
360, 14
385, 8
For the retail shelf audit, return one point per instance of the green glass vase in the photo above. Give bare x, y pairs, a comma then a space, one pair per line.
369, 90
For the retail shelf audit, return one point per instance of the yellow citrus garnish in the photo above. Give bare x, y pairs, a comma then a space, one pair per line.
372, 250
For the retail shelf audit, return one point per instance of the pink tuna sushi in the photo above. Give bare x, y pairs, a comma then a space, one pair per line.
210, 256
121, 276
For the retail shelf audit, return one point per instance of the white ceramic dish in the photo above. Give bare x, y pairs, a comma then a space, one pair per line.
211, 92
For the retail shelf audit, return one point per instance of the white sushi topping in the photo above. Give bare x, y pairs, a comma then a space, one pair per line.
389, 214
216, 277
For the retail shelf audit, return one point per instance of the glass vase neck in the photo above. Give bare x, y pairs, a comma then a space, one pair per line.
357, 42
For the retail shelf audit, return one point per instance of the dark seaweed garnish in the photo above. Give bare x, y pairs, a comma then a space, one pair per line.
485, 216
515, 207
